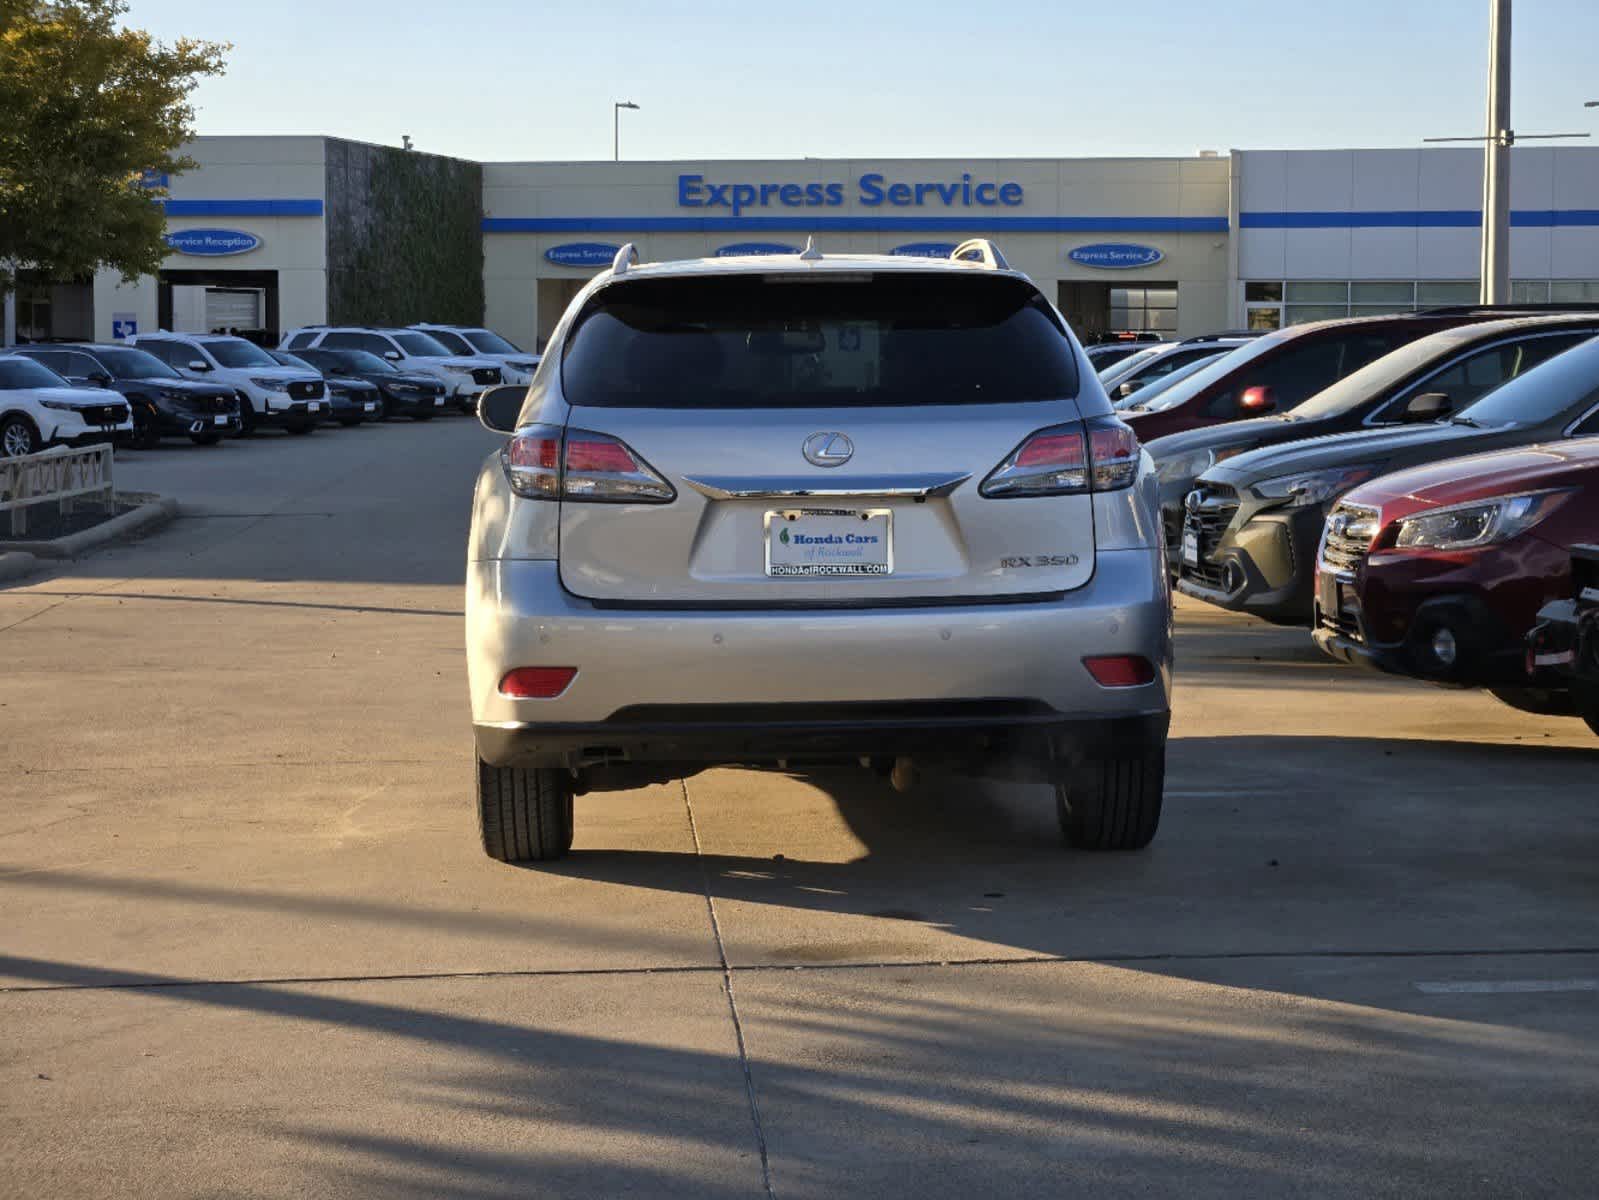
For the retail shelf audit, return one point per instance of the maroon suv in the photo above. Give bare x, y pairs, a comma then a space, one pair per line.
1439, 571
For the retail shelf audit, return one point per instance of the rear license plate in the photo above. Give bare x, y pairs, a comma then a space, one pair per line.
1190, 547
808, 542
221, 419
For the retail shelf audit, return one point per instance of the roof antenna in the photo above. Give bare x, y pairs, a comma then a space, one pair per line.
810, 253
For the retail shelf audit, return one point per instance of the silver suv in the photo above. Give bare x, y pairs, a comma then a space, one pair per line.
804, 510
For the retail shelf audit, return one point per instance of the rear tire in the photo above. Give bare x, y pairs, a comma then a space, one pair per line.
1114, 803
246, 419
524, 814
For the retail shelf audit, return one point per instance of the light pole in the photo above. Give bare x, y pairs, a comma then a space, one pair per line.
616, 127
1495, 276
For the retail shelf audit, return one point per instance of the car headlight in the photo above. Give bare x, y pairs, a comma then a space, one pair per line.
271, 385
62, 406
1481, 524
174, 394
460, 370
1184, 466
1313, 487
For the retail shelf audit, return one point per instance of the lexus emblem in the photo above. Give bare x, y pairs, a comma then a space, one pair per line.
828, 449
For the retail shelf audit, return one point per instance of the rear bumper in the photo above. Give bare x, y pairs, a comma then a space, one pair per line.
849, 671
1005, 743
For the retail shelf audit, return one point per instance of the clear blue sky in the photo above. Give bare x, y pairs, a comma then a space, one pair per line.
518, 79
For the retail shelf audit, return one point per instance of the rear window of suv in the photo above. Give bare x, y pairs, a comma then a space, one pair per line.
774, 341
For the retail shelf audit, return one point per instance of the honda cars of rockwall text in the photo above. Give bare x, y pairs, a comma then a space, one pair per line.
815, 509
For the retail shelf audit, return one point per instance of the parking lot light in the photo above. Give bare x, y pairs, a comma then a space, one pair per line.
616, 127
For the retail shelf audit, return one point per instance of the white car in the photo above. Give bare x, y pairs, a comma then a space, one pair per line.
39, 409
516, 365
270, 394
464, 376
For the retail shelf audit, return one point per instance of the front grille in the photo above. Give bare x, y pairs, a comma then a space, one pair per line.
104, 414
1207, 513
486, 375
306, 389
1347, 540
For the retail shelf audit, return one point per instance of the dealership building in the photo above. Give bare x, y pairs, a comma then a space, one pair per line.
270, 233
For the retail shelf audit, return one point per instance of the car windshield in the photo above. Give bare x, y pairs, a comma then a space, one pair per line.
1122, 365
489, 342
349, 360
1378, 376
236, 352
135, 364
421, 345
451, 341
786, 340
1152, 390
1179, 388
1567, 384
25, 373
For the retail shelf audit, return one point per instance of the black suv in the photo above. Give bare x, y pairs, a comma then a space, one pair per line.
1426, 380
400, 393
164, 403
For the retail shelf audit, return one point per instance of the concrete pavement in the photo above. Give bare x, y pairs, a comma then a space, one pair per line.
249, 946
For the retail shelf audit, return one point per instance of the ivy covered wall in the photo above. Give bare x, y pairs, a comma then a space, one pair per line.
405, 236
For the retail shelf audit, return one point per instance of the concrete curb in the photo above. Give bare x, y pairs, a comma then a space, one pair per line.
155, 511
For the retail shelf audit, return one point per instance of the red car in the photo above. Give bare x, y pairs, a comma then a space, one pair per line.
1439, 572
1278, 371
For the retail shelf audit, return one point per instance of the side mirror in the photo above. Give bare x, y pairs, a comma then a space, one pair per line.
392, 355
1126, 389
1428, 406
1257, 401
499, 407
98, 379
199, 364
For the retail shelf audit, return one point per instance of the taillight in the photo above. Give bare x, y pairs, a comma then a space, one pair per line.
543, 462
537, 683
1092, 456
1120, 670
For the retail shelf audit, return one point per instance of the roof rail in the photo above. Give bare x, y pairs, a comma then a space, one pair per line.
980, 250
1539, 309
1223, 333
626, 257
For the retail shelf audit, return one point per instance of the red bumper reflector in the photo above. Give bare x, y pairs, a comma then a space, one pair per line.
1120, 670
537, 683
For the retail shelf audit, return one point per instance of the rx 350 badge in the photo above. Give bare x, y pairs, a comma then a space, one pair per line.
1039, 560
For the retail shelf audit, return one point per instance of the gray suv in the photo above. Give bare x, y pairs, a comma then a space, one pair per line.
806, 510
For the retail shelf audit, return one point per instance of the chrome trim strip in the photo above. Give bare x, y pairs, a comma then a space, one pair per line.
761, 487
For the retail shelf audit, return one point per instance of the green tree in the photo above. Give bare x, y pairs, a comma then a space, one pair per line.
87, 107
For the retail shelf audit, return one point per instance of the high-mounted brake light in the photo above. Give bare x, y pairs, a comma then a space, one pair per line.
1093, 456
543, 462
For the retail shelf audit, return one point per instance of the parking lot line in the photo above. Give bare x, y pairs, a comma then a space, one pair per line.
1454, 987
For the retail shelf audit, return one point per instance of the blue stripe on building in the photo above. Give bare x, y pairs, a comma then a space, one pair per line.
242, 208
800, 223
1451, 218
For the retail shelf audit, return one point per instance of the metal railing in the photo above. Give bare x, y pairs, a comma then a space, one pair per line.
63, 475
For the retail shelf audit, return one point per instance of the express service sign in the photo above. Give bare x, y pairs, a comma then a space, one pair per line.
583, 254
212, 243
1115, 256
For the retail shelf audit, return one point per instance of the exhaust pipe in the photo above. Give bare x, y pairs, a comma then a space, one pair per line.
904, 775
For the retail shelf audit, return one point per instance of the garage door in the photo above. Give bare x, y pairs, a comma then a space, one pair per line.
235, 308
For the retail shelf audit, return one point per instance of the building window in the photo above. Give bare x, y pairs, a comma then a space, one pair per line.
1144, 308
1272, 304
